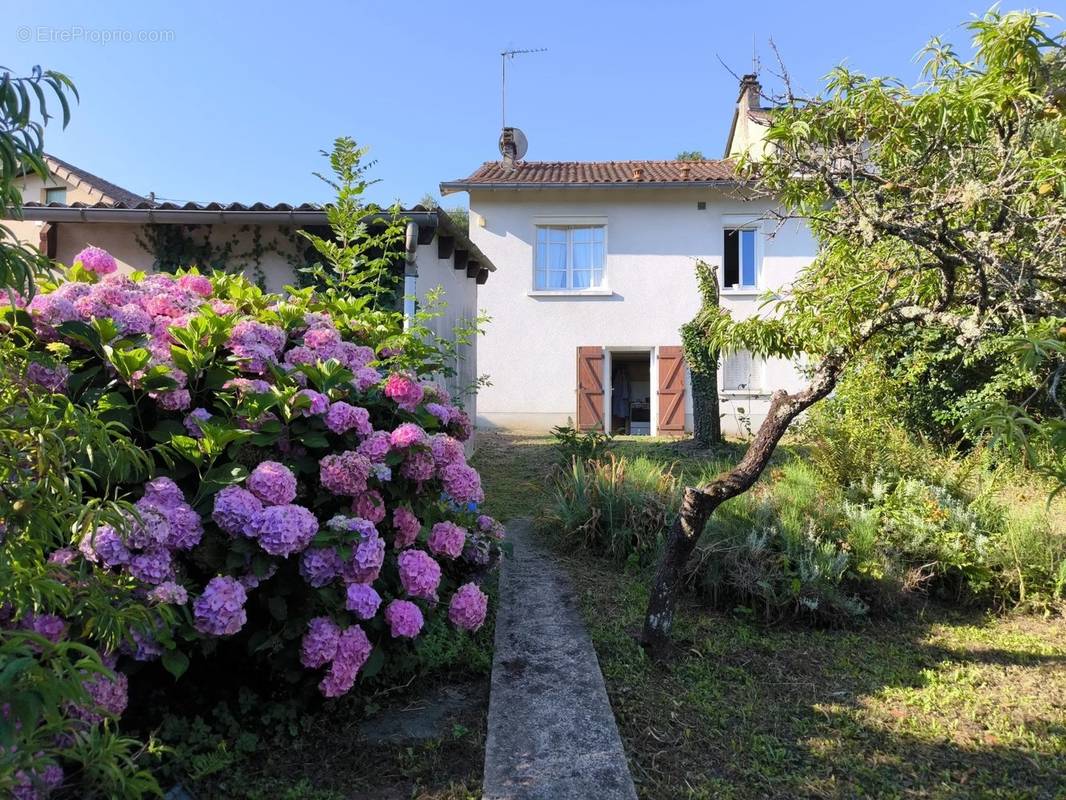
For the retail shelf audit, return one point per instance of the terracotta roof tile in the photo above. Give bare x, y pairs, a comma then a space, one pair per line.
584, 173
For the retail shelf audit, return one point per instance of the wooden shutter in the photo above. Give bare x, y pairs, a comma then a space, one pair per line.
590, 388
671, 391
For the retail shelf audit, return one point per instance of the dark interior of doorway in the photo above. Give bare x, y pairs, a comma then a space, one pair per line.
631, 393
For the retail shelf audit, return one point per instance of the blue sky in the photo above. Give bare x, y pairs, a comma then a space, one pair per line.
238, 98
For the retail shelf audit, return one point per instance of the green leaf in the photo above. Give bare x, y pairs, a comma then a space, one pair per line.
166, 430
175, 662
374, 663
279, 609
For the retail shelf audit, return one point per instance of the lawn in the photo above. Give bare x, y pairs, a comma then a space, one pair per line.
937, 704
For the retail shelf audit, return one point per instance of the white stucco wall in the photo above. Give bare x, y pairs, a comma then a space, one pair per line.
654, 239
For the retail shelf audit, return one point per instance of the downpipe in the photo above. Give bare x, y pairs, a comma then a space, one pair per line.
410, 274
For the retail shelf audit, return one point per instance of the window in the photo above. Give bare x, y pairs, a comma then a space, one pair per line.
740, 264
568, 257
741, 371
56, 194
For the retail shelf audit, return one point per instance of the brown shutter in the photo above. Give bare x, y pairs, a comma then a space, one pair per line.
590, 388
671, 391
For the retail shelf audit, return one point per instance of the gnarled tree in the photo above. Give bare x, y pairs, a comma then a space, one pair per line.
936, 205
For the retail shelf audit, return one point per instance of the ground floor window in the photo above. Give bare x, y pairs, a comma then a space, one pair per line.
741, 372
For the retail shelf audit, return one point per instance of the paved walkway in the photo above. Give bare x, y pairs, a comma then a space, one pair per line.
551, 732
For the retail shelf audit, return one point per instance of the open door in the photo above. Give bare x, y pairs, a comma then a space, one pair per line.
671, 391
590, 388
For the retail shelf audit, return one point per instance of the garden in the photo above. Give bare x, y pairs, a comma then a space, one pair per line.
242, 531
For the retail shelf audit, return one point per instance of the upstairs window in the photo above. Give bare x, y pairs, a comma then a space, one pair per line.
568, 257
741, 266
56, 195
741, 372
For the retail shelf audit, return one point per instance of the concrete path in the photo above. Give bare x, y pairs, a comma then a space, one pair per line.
552, 733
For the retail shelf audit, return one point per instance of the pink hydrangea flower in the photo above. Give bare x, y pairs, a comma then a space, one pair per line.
406, 435
407, 527
199, 284
96, 260
353, 649
284, 530
273, 483
460, 425
404, 391
319, 644
468, 607
419, 574
236, 510
362, 600
447, 539
446, 450
355, 357
404, 618
370, 505
343, 417
219, 611
344, 473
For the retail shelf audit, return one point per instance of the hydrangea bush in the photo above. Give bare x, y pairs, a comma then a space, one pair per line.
311, 498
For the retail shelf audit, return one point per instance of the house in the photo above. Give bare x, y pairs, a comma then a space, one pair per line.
596, 274
75, 208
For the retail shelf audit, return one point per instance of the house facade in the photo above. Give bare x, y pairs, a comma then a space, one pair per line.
596, 274
75, 208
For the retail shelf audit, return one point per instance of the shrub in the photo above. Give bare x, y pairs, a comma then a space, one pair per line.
617, 506
311, 496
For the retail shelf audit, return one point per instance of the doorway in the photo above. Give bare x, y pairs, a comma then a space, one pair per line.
629, 392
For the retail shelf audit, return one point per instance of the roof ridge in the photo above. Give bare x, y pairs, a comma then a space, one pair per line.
112, 190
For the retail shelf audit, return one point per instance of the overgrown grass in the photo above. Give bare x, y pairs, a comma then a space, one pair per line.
943, 705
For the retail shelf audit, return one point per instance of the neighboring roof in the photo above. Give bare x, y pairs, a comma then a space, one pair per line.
112, 193
595, 174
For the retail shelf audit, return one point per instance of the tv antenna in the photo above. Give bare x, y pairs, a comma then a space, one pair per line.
504, 56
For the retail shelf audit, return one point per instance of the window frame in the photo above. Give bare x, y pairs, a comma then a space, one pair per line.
47, 189
739, 223
569, 224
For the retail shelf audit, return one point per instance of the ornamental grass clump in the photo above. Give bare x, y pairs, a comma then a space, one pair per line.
310, 500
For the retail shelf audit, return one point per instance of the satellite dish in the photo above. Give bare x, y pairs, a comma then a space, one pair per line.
513, 143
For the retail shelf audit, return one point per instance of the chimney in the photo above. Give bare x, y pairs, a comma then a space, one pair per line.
638, 173
750, 92
684, 172
508, 149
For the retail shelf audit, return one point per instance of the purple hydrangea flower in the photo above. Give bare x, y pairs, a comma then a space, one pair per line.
419, 574
273, 483
219, 611
362, 600
370, 505
364, 566
365, 377
418, 466
462, 483
343, 417
153, 566
319, 402
376, 446
404, 618
468, 607
353, 649
236, 510
407, 527
320, 566
344, 473
447, 539
169, 592
193, 419
104, 546
54, 379
51, 626
284, 530
319, 644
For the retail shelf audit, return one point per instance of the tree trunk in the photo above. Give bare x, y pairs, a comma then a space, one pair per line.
706, 416
700, 503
